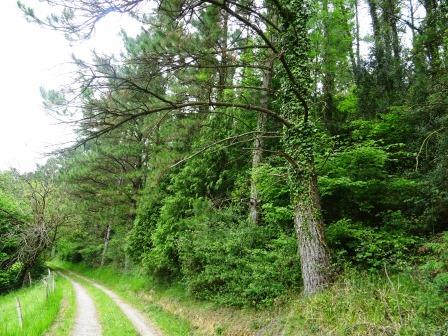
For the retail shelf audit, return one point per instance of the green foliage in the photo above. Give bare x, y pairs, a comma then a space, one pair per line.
12, 218
240, 264
163, 258
435, 265
274, 194
370, 248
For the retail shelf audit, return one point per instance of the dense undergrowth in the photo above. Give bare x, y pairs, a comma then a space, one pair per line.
409, 302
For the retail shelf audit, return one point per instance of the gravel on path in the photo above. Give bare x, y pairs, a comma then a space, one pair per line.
139, 321
86, 320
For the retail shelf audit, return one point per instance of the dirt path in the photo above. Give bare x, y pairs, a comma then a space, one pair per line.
86, 320
139, 321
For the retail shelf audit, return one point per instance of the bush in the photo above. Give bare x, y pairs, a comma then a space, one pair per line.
12, 219
239, 264
370, 248
435, 265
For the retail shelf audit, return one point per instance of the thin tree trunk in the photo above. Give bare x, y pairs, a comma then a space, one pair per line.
254, 202
223, 70
126, 262
53, 242
358, 48
379, 45
257, 156
355, 62
411, 12
328, 66
106, 244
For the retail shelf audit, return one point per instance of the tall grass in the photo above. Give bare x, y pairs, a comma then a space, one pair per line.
38, 311
370, 305
64, 321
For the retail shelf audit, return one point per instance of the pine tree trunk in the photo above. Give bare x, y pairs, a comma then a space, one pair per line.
106, 244
358, 39
314, 254
328, 72
257, 156
412, 16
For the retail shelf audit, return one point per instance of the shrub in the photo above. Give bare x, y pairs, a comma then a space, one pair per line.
435, 265
370, 248
239, 264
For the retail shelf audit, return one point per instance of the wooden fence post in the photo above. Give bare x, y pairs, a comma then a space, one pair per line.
53, 282
46, 287
50, 281
19, 312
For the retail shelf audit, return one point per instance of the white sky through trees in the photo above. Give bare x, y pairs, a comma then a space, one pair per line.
32, 57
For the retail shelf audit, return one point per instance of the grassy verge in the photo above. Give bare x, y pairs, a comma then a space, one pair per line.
38, 311
112, 319
64, 321
361, 304
357, 304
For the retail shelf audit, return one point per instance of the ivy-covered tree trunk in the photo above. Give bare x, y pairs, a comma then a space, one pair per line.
378, 41
358, 39
308, 221
299, 141
314, 255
